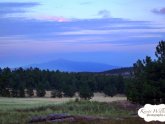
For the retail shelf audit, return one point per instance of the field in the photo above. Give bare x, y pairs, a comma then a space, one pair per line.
21, 110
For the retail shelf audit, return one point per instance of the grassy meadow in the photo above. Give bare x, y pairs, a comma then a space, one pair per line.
20, 110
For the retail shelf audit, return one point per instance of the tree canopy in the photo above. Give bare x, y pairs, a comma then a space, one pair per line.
22, 83
148, 85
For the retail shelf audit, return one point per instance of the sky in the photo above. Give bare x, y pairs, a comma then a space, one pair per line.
115, 32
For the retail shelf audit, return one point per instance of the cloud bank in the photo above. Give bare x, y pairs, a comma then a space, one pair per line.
159, 11
15, 7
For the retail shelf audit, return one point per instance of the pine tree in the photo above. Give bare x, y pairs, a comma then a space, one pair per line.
85, 92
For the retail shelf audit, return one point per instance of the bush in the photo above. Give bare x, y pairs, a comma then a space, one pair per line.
30, 92
56, 93
85, 92
41, 92
5, 93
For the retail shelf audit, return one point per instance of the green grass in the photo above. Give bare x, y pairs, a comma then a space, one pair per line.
19, 111
23, 103
12, 109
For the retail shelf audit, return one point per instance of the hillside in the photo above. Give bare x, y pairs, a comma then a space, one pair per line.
73, 66
126, 71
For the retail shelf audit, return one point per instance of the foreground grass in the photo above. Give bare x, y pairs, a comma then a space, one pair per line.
23, 103
19, 111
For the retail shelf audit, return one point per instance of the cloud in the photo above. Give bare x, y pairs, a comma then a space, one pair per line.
159, 11
86, 31
85, 3
17, 4
104, 13
15, 7
29, 38
113, 31
55, 18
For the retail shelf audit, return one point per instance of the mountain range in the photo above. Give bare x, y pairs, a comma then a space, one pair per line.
73, 66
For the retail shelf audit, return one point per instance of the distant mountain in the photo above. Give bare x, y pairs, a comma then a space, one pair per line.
73, 66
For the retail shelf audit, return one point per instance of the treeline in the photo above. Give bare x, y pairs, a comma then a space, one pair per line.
145, 85
125, 72
22, 82
148, 84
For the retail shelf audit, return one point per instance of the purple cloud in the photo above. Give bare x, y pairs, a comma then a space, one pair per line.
159, 11
54, 18
15, 7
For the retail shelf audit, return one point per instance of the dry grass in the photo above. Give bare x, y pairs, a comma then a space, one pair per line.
100, 97
19, 110
14, 103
